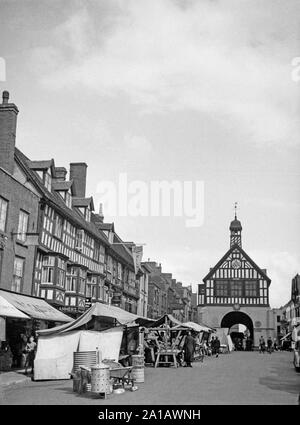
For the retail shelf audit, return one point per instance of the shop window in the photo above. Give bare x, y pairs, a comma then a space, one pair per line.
22, 226
3, 214
18, 274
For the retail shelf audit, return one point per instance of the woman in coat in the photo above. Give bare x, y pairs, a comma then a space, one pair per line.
189, 348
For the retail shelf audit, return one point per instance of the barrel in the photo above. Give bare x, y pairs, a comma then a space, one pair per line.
100, 382
137, 360
84, 358
138, 374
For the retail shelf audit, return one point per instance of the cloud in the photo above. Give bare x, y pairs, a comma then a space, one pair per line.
138, 144
230, 63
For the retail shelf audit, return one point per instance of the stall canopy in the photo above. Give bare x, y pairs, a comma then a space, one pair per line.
196, 327
171, 321
8, 310
33, 307
100, 310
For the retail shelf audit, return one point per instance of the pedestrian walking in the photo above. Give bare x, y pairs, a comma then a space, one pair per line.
212, 345
189, 348
269, 345
217, 346
30, 350
275, 345
262, 345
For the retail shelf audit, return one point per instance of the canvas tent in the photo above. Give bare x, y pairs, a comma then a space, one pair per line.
196, 327
166, 318
54, 357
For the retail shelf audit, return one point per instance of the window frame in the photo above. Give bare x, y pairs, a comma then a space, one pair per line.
13, 284
21, 234
5, 202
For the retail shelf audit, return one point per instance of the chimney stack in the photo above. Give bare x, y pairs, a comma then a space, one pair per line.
99, 218
8, 125
60, 173
78, 175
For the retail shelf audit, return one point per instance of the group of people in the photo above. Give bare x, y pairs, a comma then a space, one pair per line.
269, 346
211, 348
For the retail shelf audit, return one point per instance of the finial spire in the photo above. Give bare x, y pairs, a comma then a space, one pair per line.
235, 209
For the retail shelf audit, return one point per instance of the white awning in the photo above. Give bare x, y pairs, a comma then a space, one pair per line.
36, 308
8, 310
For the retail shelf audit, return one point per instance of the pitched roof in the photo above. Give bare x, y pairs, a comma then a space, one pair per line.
121, 250
56, 200
234, 247
62, 185
40, 165
83, 202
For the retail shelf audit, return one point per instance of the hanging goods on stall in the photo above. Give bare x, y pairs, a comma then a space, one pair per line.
138, 371
84, 358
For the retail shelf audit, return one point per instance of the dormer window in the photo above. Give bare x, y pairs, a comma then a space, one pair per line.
68, 199
87, 214
47, 180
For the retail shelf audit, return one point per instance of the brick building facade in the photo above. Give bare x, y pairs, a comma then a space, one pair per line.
75, 256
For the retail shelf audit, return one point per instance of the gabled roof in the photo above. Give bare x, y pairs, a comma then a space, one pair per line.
106, 226
122, 250
83, 202
56, 201
62, 185
42, 165
233, 248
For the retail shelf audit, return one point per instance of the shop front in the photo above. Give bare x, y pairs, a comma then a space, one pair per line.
20, 317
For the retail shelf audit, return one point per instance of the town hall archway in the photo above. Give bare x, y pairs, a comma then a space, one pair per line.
237, 317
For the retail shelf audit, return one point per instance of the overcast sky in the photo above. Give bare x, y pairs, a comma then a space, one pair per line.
170, 90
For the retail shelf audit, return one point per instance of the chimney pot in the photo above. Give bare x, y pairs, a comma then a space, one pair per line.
5, 96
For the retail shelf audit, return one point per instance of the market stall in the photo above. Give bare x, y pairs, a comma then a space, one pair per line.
101, 327
164, 340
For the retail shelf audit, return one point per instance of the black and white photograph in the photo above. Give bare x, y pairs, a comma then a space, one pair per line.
149, 207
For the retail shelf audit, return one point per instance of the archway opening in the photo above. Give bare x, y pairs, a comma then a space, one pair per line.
240, 328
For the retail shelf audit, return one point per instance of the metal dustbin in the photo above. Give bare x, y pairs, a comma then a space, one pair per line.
100, 379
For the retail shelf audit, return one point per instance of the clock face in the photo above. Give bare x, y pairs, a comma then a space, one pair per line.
236, 264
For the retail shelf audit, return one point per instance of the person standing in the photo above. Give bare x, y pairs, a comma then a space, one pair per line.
262, 345
189, 348
269, 344
217, 346
30, 350
212, 345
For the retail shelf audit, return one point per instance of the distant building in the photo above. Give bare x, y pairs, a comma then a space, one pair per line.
236, 291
